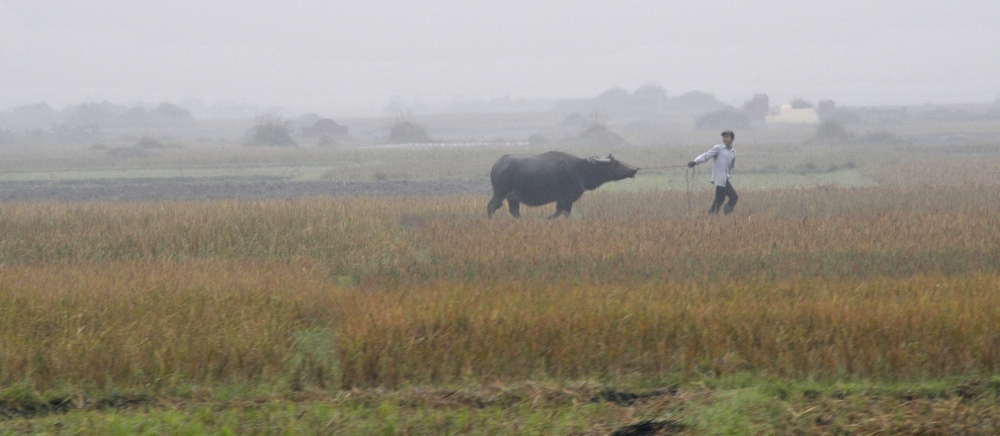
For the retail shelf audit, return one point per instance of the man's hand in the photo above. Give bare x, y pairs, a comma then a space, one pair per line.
691, 164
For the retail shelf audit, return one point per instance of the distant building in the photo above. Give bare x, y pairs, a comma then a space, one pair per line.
825, 108
322, 127
790, 115
757, 108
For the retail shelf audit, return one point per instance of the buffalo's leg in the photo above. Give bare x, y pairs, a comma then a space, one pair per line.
495, 204
562, 208
515, 207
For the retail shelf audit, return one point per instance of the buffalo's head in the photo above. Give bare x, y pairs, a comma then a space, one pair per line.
612, 168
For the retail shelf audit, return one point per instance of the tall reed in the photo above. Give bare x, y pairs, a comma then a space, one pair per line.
922, 326
142, 323
896, 282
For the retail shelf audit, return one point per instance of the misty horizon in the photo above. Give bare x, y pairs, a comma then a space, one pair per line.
348, 60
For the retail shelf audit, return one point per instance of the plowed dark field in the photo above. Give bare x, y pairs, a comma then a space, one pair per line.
196, 189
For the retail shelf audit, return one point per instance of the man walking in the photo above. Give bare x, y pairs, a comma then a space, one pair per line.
722, 170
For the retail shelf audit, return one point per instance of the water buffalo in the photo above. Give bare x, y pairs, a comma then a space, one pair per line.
537, 179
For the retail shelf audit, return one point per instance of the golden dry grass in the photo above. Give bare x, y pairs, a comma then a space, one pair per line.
896, 282
890, 328
154, 323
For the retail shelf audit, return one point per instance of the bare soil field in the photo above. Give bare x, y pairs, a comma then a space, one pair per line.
217, 188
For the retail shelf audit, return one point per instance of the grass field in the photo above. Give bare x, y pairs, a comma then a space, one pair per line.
845, 295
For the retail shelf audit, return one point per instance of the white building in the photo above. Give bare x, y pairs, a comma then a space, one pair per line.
790, 115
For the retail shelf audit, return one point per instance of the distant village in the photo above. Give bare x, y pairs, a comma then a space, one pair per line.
614, 117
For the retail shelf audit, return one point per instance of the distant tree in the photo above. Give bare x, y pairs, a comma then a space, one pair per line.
31, 116
149, 141
728, 118
801, 103
270, 131
399, 109
68, 132
537, 139
881, 137
651, 94
597, 116
574, 120
405, 131
326, 141
832, 131
695, 101
103, 112
129, 152
613, 96
842, 115
306, 120
599, 134
171, 110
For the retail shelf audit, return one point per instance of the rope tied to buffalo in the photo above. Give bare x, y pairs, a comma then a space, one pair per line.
689, 184
662, 168
688, 179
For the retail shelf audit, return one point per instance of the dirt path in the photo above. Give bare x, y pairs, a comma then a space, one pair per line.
195, 189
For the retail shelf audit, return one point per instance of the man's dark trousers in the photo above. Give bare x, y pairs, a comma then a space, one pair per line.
721, 192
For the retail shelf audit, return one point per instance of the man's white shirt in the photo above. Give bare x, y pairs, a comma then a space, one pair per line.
722, 169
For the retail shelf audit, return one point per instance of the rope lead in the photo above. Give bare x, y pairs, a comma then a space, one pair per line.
689, 181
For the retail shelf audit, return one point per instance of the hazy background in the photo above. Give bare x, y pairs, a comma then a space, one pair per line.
355, 58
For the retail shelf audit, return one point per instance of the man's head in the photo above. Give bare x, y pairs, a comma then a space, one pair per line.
728, 137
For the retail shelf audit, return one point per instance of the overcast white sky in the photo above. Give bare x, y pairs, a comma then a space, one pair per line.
351, 58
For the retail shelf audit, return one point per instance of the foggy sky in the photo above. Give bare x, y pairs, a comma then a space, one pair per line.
352, 58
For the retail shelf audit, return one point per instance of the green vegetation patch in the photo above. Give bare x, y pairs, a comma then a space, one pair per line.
679, 179
737, 404
291, 172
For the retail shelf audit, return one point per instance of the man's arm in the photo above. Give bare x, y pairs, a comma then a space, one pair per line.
705, 156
